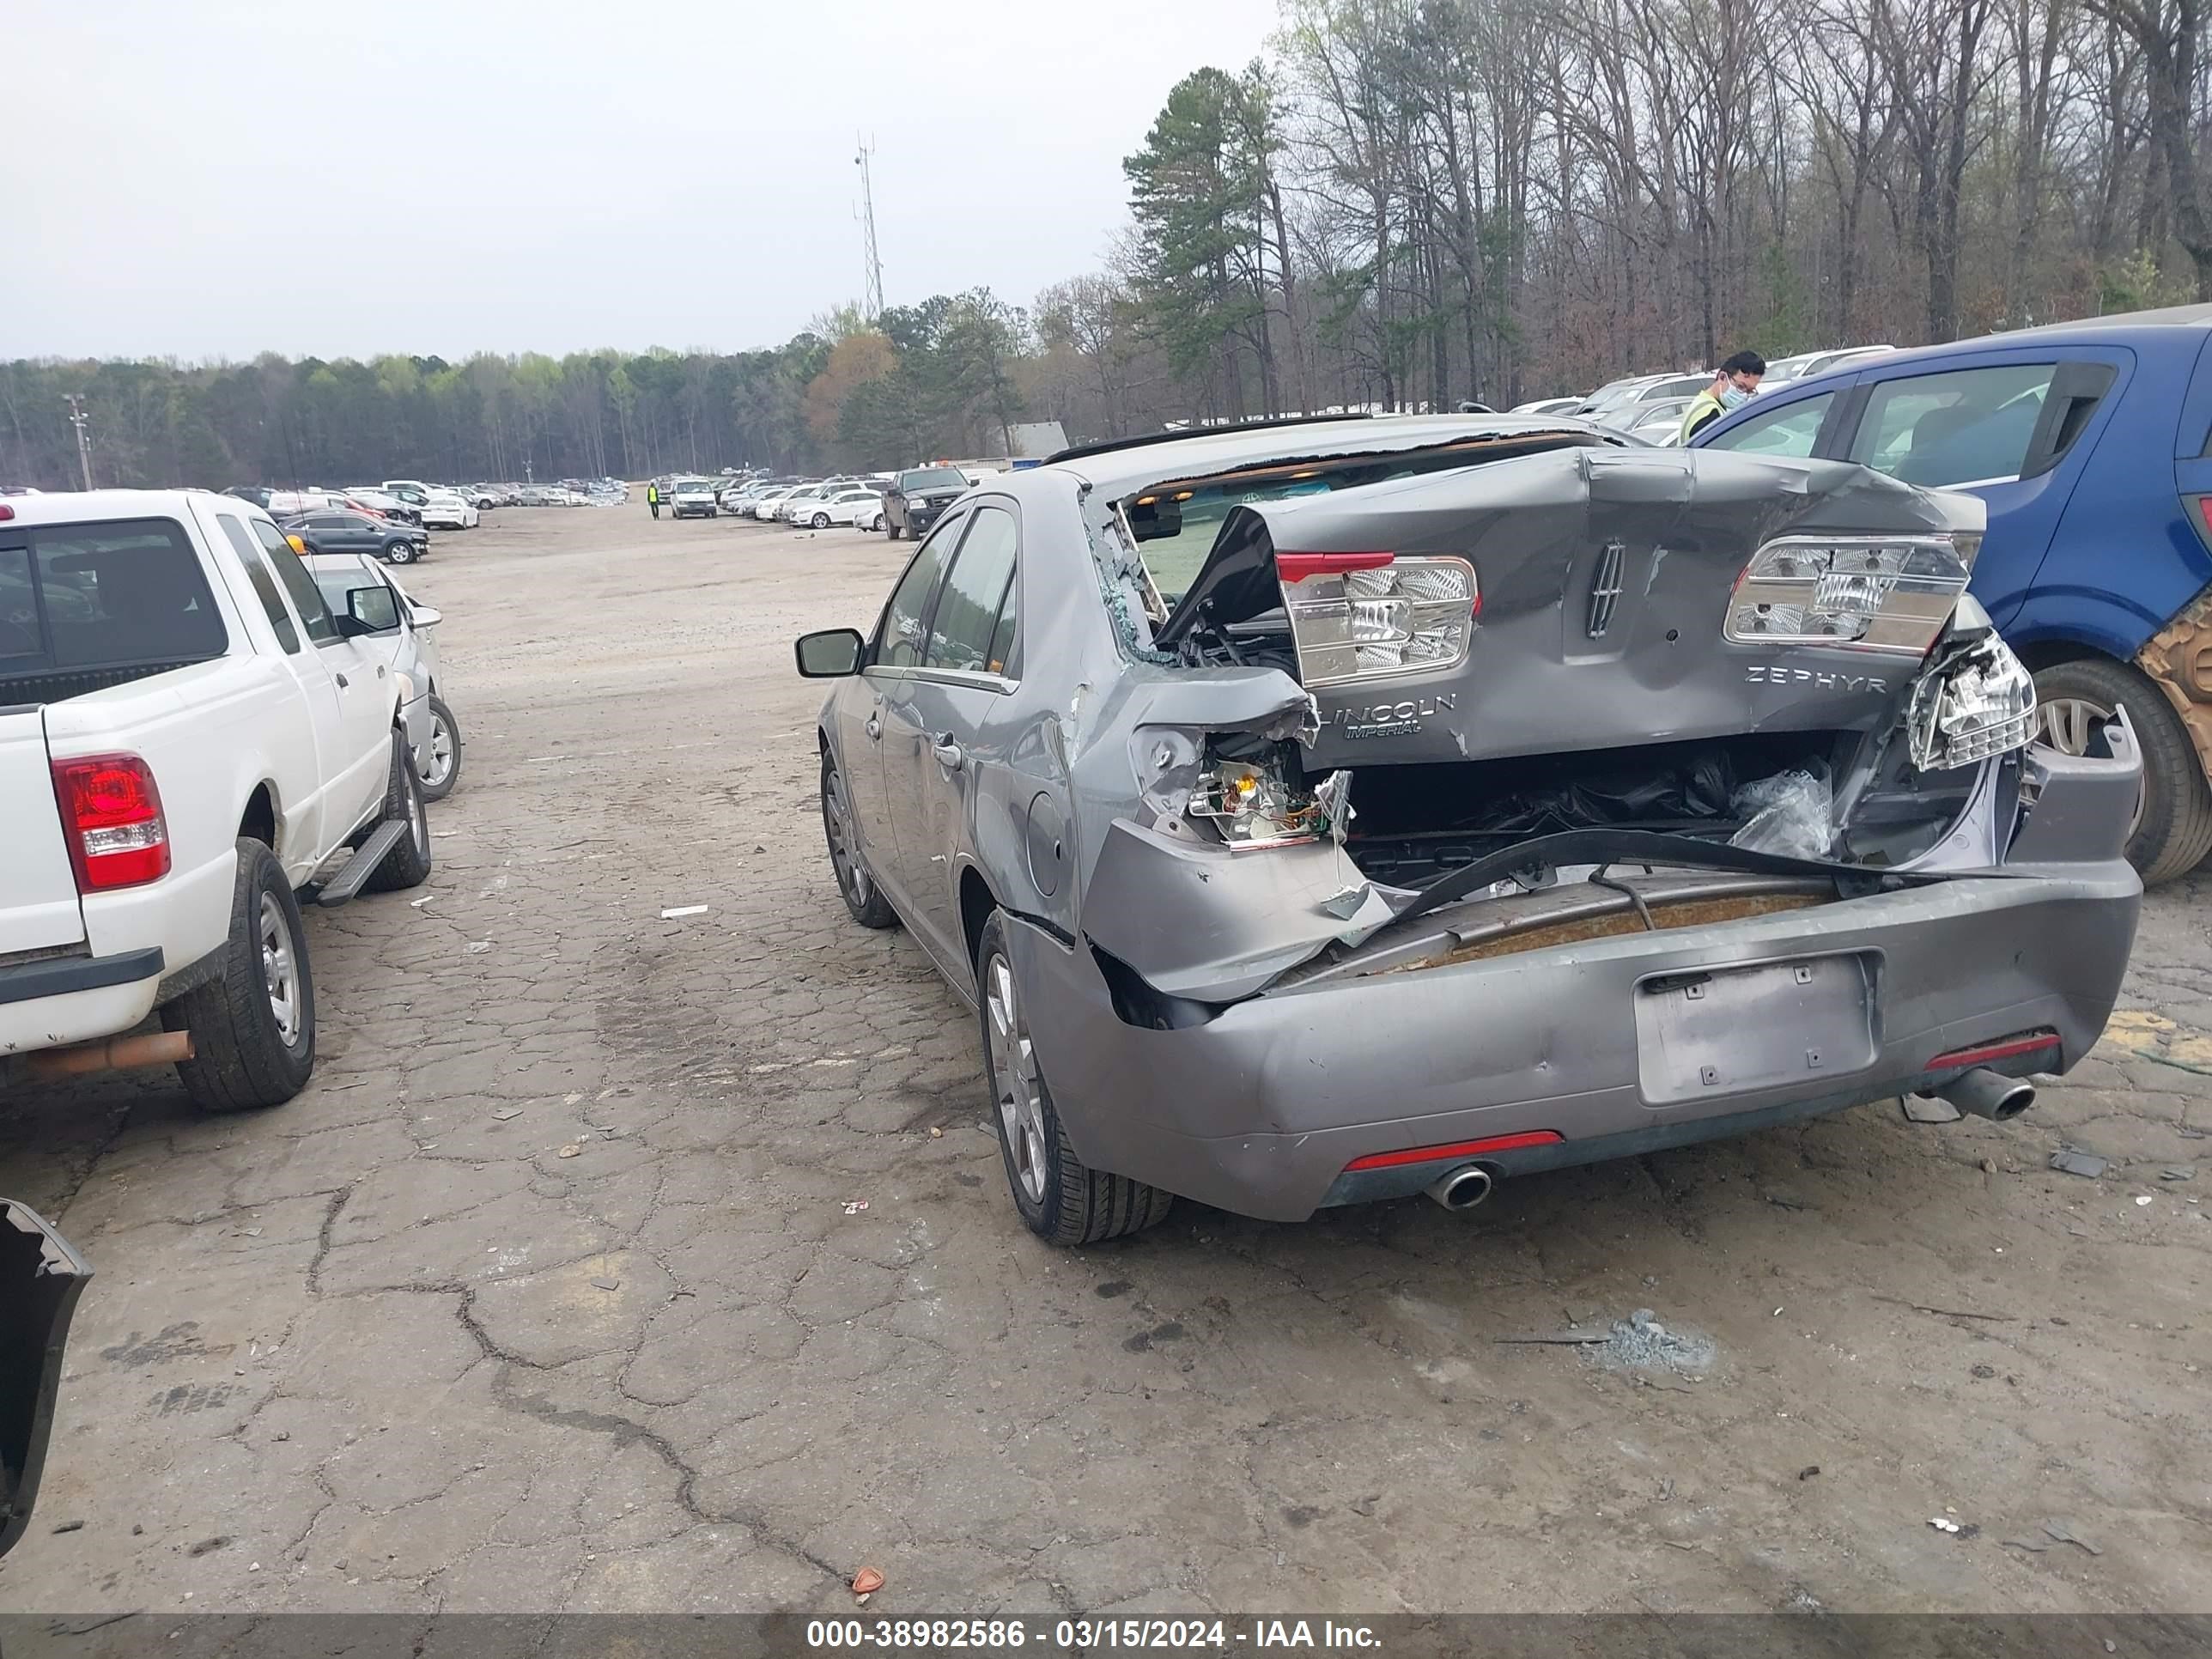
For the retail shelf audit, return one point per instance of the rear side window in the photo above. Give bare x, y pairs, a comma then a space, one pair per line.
1971, 425
307, 597
1788, 432
265, 585
121, 593
967, 616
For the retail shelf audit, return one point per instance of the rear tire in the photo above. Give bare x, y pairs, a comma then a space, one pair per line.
1061, 1199
253, 1024
2173, 831
408, 863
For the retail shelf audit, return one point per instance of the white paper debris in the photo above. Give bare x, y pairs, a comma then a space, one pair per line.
683, 910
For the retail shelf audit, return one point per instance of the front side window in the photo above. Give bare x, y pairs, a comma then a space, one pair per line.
899, 644
307, 597
1970, 426
967, 617
265, 585
1789, 431
101, 595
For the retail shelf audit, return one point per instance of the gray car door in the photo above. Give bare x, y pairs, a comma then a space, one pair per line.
945, 719
871, 731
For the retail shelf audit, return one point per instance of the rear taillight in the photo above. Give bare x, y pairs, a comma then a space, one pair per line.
1891, 594
1365, 616
111, 814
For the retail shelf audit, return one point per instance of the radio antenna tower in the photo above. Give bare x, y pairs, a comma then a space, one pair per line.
875, 271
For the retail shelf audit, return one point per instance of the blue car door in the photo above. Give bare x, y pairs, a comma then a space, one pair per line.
2013, 425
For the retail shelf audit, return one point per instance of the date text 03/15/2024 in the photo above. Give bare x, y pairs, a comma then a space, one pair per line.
1084, 1635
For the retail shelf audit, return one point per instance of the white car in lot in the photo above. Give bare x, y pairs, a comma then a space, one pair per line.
189, 734
763, 506
447, 509
797, 507
404, 636
849, 504
692, 498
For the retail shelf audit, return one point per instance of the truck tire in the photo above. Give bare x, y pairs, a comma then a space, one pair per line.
1060, 1198
253, 1023
444, 752
2174, 824
408, 863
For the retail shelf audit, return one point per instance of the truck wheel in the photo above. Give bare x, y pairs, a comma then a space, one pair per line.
1059, 1198
408, 863
253, 1023
2172, 829
444, 770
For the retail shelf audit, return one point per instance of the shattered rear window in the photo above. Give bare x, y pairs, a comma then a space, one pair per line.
1176, 521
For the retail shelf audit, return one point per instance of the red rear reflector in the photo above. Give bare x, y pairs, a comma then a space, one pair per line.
111, 814
2004, 1049
1458, 1149
6, 511
1296, 567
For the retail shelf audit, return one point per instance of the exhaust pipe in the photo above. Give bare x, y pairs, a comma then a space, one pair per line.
108, 1054
1462, 1188
1983, 1093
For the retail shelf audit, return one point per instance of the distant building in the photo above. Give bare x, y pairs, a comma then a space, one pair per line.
1035, 440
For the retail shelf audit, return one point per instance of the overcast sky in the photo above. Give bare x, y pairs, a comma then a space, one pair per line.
216, 178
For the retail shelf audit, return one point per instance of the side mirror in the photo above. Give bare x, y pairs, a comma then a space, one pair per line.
40, 1279
371, 609
831, 654
423, 615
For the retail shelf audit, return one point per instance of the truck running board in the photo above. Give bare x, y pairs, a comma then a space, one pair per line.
362, 864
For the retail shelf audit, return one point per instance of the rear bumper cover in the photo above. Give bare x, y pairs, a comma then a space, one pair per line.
1260, 1110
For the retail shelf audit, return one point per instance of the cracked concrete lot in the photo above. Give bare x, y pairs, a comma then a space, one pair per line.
544, 1294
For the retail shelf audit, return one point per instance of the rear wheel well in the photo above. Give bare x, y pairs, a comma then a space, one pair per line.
260, 820
976, 903
2049, 653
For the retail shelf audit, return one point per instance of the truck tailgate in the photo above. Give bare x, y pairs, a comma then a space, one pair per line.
38, 890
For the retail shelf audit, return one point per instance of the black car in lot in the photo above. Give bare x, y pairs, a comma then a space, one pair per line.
335, 531
915, 499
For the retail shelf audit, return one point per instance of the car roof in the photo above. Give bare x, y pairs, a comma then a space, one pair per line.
1190, 454
2138, 327
84, 507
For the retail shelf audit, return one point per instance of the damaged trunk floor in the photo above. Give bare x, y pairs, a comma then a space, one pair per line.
555, 1289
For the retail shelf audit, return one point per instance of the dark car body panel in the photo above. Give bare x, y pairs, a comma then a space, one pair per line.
41, 1280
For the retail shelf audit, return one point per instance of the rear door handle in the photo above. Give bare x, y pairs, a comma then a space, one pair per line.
874, 728
948, 753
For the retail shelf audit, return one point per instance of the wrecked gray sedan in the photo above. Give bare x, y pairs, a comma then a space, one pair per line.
1334, 810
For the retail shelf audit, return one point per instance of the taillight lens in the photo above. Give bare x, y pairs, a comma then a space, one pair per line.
112, 813
1891, 594
2199, 514
1979, 704
1366, 616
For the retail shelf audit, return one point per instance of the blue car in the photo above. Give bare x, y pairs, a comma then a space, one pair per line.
2091, 443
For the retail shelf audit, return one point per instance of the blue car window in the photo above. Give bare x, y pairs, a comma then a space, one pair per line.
1969, 425
1788, 431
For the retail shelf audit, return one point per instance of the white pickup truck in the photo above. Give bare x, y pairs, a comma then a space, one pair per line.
188, 734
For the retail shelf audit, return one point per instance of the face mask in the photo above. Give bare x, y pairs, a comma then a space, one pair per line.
1735, 397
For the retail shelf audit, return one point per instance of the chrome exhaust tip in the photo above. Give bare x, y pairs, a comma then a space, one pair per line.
1983, 1093
1462, 1188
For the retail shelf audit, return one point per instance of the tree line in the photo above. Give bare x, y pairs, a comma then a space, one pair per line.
1402, 203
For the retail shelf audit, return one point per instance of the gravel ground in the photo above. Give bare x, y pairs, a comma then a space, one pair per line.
544, 1295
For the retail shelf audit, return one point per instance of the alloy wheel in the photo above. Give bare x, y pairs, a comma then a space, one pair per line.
280, 968
440, 765
1014, 1077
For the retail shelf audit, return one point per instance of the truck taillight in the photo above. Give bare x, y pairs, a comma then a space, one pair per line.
1891, 593
112, 812
1365, 616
